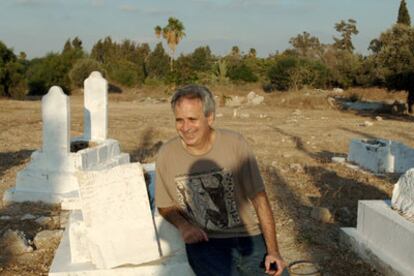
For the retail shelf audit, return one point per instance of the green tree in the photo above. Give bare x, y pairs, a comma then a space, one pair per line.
252, 52
346, 29
157, 64
173, 32
12, 74
202, 59
307, 46
394, 58
403, 15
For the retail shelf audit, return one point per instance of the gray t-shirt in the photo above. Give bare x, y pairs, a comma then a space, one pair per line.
212, 190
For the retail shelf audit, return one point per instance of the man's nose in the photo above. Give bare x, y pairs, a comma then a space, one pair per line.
186, 126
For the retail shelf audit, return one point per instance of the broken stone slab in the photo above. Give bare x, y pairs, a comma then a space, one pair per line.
47, 239
403, 195
15, 243
115, 207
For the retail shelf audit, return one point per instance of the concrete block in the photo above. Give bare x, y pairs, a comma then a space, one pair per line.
382, 237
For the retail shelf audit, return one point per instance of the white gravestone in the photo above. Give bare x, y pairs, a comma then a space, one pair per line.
117, 215
56, 127
96, 107
403, 195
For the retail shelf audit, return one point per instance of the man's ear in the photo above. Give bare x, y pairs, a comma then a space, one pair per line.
210, 118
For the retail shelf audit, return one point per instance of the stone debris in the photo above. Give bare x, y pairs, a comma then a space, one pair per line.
262, 116
5, 217
367, 124
64, 218
28, 217
43, 221
338, 90
47, 239
403, 195
296, 167
322, 214
15, 243
234, 101
254, 99
331, 101
337, 159
378, 118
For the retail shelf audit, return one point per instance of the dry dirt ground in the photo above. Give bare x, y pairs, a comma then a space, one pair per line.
294, 136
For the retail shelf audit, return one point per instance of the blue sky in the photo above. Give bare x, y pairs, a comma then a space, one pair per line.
41, 26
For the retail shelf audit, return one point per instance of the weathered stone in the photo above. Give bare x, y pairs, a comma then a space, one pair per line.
27, 217
403, 194
47, 239
234, 101
322, 214
43, 221
254, 99
15, 243
337, 159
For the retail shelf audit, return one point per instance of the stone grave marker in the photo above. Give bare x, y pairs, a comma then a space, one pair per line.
56, 127
96, 107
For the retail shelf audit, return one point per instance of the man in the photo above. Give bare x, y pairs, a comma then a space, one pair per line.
206, 183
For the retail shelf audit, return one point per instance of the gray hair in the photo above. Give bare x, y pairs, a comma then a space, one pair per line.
194, 91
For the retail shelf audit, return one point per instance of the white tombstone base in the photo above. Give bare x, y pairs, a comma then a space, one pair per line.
382, 237
67, 257
52, 183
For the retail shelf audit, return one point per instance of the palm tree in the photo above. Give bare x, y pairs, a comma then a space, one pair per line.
172, 33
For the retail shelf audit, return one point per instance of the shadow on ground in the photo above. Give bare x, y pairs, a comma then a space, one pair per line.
11, 159
147, 148
338, 193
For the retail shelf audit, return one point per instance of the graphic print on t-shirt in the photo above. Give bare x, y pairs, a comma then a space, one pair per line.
208, 199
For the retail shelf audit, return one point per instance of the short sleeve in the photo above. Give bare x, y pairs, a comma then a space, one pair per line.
251, 178
163, 197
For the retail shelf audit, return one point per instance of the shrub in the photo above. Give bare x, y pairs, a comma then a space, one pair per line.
241, 72
126, 73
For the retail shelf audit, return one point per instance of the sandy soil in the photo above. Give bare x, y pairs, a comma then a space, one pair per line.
294, 136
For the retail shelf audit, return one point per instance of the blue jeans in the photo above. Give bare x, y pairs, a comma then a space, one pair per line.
228, 256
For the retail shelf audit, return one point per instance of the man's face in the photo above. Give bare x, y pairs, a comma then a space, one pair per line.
191, 124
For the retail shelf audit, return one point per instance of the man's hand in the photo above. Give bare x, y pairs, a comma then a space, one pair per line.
280, 263
192, 234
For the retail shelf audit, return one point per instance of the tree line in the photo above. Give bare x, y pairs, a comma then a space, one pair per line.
307, 63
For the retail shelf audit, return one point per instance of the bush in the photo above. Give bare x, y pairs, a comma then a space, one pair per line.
241, 72
126, 73
46, 72
291, 72
82, 69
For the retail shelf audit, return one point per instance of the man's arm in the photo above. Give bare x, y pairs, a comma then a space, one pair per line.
189, 232
267, 224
